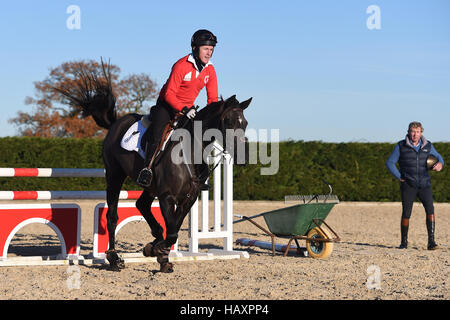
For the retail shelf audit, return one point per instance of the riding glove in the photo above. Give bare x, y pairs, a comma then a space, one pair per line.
190, 113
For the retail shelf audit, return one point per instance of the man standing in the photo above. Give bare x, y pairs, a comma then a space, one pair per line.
412, 154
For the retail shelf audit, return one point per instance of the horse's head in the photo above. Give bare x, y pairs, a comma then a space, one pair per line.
227, 121
232, 124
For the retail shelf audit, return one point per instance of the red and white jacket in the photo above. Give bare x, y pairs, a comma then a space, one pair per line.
185, 83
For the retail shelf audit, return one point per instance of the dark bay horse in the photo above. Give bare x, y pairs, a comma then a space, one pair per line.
175, 184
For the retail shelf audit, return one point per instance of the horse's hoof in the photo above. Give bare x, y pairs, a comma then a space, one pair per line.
148, 250
115, 262
166, 267
120, 264
114, 268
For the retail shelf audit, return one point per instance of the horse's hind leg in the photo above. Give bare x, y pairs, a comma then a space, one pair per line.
143, 204
114, 184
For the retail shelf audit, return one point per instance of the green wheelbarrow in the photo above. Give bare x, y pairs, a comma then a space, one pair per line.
304, 221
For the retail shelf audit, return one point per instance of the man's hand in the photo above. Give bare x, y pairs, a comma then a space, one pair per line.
190, 113
437, 167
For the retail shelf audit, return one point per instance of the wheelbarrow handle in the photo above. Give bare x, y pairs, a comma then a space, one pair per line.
244, 218
329, 186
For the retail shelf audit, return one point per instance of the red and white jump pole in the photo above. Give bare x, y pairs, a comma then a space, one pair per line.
60, 195
52, 172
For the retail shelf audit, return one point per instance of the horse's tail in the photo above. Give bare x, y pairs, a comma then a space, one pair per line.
94, 95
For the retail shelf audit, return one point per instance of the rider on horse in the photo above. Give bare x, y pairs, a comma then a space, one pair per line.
188, 77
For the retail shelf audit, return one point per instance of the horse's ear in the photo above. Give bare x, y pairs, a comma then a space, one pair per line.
231, 101
245, 103
221, 105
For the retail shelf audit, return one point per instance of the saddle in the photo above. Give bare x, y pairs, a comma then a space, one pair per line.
168, 130
135, 139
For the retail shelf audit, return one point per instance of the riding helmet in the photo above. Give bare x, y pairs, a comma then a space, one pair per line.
203, 37
431, 161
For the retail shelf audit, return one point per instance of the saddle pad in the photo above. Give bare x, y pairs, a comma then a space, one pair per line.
131, 140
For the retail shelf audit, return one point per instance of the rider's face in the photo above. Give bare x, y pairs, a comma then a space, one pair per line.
205, 53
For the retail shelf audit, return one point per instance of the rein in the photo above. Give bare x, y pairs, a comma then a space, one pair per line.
209, 169
222, 152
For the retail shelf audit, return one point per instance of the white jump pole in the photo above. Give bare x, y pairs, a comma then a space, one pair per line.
217, 190
221, 160
228, 201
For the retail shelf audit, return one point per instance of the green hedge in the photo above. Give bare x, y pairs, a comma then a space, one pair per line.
356, 171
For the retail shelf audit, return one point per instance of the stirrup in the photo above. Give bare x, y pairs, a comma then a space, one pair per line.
145, 177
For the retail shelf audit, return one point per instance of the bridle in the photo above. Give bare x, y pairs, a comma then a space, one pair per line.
222, 150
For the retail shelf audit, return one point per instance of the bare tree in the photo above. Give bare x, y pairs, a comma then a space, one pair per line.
139, 89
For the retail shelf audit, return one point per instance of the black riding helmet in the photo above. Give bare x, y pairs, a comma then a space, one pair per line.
203, 37
200, 38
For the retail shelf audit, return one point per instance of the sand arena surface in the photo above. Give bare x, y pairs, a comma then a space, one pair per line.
370, 234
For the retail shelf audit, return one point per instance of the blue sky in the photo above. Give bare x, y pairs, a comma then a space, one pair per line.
314, 69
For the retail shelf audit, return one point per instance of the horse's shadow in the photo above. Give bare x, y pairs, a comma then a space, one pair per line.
383, 246
34, 245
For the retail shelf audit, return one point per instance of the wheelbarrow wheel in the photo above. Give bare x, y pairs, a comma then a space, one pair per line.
318, 249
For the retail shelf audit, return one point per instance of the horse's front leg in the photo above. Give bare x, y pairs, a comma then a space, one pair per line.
162, 248
173, 219
183, 210
144, 204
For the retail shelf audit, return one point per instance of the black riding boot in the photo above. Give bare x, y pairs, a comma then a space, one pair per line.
404, 233
430, 228
145, 176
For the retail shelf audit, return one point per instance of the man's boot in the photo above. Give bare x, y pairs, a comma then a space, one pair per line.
145, 176
430, 228
404, 233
